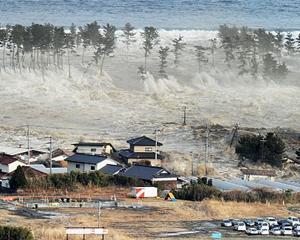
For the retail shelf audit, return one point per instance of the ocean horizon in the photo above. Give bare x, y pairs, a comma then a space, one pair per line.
166, 14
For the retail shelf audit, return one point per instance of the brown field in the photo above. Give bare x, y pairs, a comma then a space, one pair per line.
128, 223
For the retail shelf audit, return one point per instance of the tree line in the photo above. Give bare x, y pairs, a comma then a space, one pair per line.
251, 51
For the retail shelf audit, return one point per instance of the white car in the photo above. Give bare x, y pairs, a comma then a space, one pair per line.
287, 230
264, 225
293, 221
296, 233
226, 223
252, 231
258, 221
271, 221
264, 231
275, 231
240, 226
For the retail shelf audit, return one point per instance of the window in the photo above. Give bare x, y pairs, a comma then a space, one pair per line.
93, 150
92, 167
148, 149
77, 165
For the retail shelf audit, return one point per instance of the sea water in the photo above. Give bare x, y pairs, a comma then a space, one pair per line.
167, 14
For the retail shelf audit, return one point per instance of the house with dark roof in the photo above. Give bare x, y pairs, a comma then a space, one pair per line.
111, 169
86, 163
142, 150
151, 174
9, 163
94, 148
255, 174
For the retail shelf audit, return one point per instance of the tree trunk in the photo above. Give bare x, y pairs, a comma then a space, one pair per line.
69, 63
82, 59
102, 63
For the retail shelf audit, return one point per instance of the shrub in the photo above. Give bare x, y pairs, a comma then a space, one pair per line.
15, 233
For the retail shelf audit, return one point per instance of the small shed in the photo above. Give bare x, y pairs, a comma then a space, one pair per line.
256, 174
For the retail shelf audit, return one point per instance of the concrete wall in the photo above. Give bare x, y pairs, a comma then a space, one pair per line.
84, 167
249, 177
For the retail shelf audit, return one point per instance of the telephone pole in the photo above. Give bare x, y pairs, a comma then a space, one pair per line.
206, 149
50, 154
28, 143
155, 131
184, 116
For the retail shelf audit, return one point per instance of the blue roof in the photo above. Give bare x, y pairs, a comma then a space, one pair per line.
143, 141
111, 169
146, 172
84, 158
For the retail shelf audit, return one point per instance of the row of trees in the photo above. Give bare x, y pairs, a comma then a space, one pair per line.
15, 233
46, 45
70, 181
268, 149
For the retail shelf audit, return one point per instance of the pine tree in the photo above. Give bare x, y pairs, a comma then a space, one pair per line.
150, 38
298, 43
289, 43
58, 44
279, 37
269, 66
3, 39
281, 71
178, 46
200, 56
128, 35
163, 54
84, 36
213, 49
17, 34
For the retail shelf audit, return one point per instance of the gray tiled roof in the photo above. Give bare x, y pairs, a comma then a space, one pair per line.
143, 141
128, 154
111, 169
146, 172
84, 158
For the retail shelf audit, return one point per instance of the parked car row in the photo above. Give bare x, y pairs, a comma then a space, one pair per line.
265, 226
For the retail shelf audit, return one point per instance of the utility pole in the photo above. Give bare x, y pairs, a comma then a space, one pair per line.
155, 144
28, 143
99, 212
263, 140
206, 149
184, 115
50, 154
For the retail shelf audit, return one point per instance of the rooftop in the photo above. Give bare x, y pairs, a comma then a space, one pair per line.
7, 159
143, 141
43, 169
127, 153
92, 144
111, 169
147, 172
84, 158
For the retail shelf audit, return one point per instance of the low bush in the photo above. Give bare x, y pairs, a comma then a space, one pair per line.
15, 233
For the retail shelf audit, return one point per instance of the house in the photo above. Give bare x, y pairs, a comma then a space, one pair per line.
142, 150
151, 174
111, 169
255, 174
22, 153
94, 148
86, 163
8, 163
54, 170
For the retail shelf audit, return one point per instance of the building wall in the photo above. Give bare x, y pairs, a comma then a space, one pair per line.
84, 167
153, 162
11, 167
98, 150
145, 149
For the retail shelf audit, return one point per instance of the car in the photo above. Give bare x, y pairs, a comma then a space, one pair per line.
249, 223
240, 226
234, 221
252, 231
258, 221
275, 231
263, 231
296, 227
264, 225
226, 223
286, 230
271, 221
284, 222
296, 233
293, 220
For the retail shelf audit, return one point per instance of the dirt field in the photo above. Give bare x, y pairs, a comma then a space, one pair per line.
157, 219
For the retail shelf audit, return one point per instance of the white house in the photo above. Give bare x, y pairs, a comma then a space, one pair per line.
9, 164
86, 163
94, 148
256, 174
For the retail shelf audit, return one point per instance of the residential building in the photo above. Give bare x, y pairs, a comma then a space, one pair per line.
151, 174
94, 148
142, 150
111, 169
9, 164
55, 170
256, 174
86, 163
